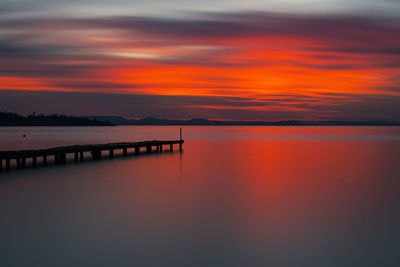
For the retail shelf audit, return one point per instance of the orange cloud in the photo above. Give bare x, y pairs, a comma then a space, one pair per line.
265, 59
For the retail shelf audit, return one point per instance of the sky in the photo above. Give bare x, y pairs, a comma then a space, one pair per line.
226, 60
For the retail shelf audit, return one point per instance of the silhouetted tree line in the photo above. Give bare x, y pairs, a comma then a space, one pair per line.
13, 119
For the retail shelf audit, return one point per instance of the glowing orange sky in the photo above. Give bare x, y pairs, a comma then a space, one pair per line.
287, 64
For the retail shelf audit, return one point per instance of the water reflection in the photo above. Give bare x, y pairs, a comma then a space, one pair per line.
227, 200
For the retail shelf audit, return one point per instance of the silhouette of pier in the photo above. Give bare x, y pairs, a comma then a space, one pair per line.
59, 154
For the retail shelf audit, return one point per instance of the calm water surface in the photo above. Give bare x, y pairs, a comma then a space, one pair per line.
236, 196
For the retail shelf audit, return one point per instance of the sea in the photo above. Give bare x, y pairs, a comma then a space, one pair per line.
235, 196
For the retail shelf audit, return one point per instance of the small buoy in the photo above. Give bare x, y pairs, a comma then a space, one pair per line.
24, 135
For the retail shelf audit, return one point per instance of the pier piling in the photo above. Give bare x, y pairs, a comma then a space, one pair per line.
7, 164
180, 138
96, 154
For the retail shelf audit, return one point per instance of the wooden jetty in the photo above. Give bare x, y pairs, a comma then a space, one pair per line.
60, 153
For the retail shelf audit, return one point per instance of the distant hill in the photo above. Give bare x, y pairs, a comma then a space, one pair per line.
13, 119
203, 122
149, 121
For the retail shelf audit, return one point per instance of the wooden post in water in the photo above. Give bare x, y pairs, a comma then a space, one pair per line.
1, 165
23, 163
96, 154
160, 148
125, 152
44, 160
76, 157
18, 160
148, 149
81, 156
60, 158
34, 162
7, 164
180, 135
111, 153
171, 147
137, 150
57, 158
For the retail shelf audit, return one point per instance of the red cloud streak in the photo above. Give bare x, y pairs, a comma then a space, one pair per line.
261, 62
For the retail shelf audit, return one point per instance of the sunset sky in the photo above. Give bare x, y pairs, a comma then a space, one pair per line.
229, 60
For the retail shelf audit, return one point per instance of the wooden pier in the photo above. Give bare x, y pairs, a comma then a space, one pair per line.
59, 154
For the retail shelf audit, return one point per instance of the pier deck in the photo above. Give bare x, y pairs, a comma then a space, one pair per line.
60, 153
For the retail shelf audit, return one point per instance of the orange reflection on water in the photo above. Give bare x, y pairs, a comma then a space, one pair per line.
236, 195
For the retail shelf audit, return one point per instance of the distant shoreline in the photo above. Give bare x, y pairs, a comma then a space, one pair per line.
121, 121
8, 119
